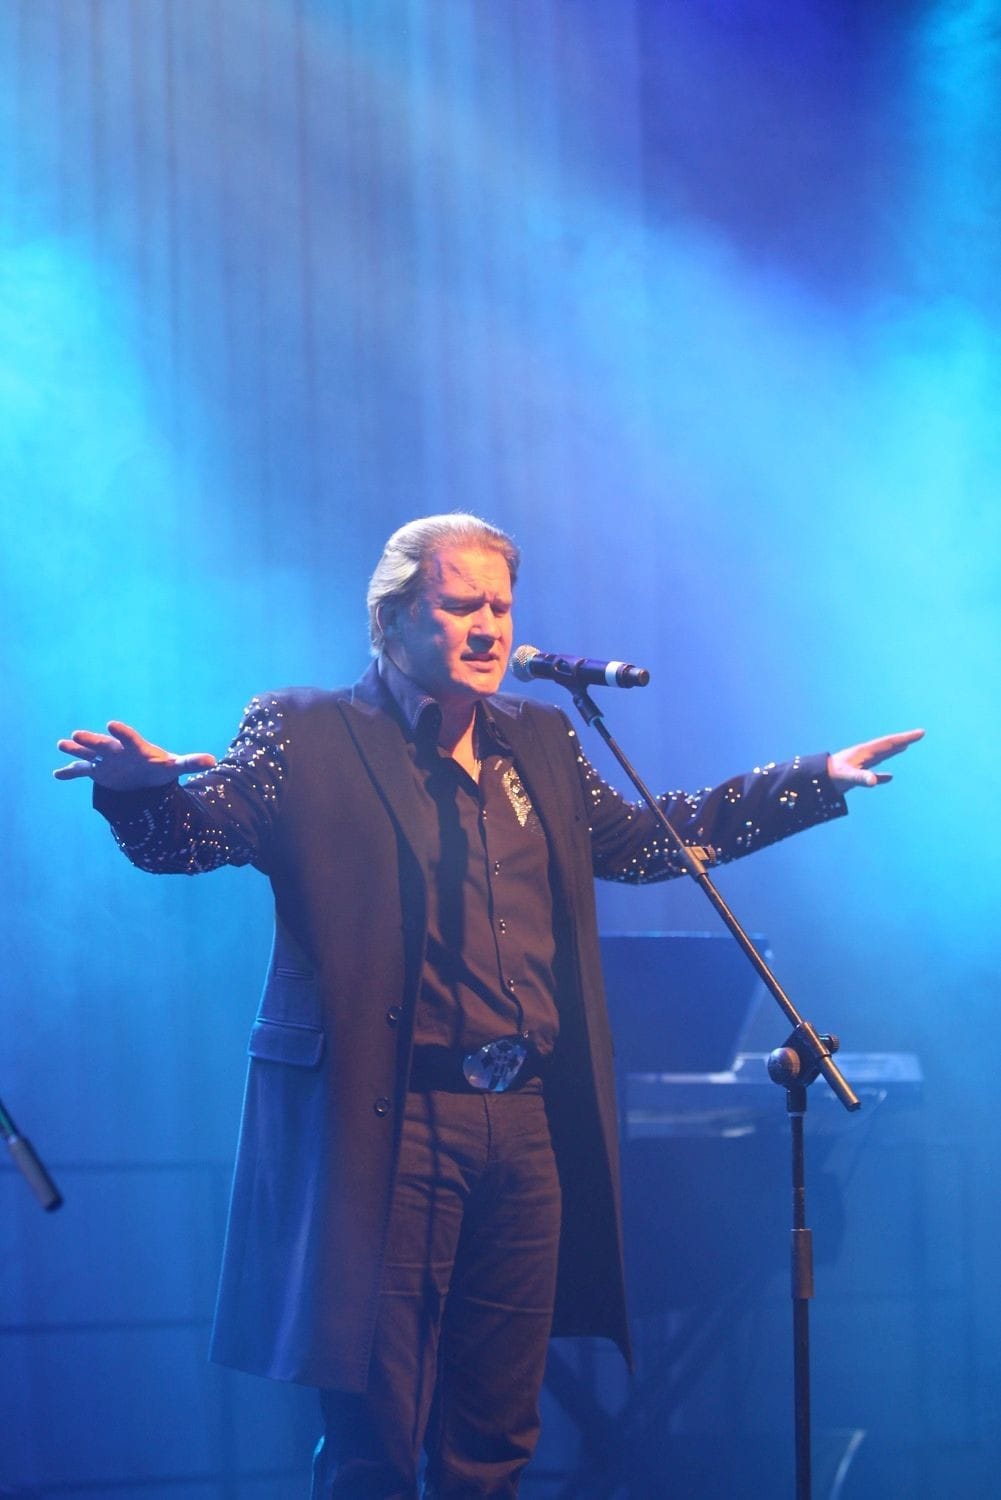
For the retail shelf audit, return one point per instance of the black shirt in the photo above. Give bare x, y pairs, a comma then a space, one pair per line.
488, 969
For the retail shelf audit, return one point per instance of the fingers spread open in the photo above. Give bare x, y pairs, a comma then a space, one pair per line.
73, 770
125, 733
74, 747
86, 739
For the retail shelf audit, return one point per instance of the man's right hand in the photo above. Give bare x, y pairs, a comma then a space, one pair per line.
123, 761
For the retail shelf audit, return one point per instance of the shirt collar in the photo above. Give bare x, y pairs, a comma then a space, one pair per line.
420, 711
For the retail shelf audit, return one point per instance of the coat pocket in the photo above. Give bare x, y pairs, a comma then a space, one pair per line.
286, 1042
292, 997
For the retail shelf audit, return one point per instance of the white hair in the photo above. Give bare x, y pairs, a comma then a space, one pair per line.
402, 569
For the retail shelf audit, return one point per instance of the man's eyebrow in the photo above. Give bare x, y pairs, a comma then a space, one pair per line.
447, 601
452, 598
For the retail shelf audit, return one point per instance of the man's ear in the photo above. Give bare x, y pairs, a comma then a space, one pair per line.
387, 620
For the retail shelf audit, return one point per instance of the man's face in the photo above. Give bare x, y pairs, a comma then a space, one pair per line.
456, 639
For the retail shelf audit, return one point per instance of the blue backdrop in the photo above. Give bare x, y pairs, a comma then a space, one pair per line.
698, 299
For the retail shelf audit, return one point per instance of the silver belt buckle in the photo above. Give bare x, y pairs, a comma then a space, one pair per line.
493, 1067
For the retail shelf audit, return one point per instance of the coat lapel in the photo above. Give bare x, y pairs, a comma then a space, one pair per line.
381, 746
379, 739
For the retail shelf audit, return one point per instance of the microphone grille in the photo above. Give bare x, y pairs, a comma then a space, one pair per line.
520, 660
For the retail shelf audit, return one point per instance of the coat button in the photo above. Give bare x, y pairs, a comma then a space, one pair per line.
381, 1106
393, 1015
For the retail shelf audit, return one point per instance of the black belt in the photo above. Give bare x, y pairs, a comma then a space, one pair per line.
498, 1067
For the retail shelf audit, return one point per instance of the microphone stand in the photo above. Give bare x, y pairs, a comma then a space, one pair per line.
33, 1171
805, 1055
28, 1164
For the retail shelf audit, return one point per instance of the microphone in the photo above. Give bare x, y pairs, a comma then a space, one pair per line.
575, 671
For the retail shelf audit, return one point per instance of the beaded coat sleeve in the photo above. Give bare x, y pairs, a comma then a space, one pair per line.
219, 817
739, 816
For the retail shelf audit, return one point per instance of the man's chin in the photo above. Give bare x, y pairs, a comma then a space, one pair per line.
483, 683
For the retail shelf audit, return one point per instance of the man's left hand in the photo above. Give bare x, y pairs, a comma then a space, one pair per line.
853, 767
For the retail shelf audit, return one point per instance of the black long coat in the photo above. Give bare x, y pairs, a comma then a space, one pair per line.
316, 791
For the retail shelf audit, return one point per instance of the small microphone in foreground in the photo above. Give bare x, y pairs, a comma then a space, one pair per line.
575, 671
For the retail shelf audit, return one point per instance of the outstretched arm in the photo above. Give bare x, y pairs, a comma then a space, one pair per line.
223, 815
737, 817
853, 767
123, 761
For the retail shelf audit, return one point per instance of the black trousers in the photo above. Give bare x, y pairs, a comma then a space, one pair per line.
465, 1310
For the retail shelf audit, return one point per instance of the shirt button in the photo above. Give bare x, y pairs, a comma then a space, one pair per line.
393, 1015
381, 1107
496, 866
501, 925
509, 984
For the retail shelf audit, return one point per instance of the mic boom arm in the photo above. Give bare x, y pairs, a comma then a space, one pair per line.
695, 860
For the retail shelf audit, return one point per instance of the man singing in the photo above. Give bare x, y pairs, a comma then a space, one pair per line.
427, 1185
